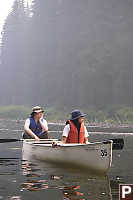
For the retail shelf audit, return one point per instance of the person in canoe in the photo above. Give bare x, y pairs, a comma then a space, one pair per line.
36, 126
75, 130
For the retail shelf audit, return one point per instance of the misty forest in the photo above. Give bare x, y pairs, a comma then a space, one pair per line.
68, 54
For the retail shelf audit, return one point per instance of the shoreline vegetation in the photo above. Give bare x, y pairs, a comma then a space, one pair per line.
120, 115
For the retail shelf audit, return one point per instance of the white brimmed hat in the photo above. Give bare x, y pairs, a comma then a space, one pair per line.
37, 109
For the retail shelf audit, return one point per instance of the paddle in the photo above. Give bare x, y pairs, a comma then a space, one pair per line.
118, 143
10, 140
18, 140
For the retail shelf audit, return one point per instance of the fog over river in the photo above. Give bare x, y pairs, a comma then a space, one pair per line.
66, 53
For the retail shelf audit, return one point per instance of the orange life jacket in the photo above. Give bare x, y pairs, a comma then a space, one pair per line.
73, 134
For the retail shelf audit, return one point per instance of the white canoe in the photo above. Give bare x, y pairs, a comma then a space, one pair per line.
94, 156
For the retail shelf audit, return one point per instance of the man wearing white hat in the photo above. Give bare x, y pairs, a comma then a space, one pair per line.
36, 126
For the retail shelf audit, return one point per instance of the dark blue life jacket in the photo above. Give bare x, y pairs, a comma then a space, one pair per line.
35, 127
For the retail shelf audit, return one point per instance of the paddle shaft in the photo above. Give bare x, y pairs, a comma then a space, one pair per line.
19, 140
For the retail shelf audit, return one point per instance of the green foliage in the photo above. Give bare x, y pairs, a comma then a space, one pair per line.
112, 114
56, 114
14, 112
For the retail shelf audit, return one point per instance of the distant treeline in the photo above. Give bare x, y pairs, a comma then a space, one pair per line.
110, 115
69, 54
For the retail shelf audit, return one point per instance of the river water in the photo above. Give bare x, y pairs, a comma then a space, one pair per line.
38, 180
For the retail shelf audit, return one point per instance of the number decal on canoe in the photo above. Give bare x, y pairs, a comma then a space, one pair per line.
104, 152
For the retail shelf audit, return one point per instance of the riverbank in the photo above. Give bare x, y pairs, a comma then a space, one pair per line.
110, 116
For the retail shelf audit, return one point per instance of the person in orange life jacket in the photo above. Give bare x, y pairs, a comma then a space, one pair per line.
75, 130
36, 126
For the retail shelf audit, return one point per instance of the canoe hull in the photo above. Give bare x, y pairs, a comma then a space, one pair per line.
94, 156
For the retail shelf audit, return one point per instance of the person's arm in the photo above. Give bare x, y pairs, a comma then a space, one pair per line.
29, 131
86, 140
43, 124
65, 133
86, 135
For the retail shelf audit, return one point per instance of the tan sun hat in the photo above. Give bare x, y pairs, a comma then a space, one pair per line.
37, 109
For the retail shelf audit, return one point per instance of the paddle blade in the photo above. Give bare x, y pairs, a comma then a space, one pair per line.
9, 140
118, 143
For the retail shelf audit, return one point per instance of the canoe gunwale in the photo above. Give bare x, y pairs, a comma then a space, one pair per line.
47, 142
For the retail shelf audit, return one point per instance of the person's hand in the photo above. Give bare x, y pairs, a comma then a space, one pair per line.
37, 138
54, 144
41, 117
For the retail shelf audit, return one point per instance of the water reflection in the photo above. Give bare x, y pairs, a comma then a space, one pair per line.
28, 169
72, 186
35, 185
8, 166
14, 198
8, 177
70, 192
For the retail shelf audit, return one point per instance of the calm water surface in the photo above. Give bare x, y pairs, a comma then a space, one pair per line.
38, 180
